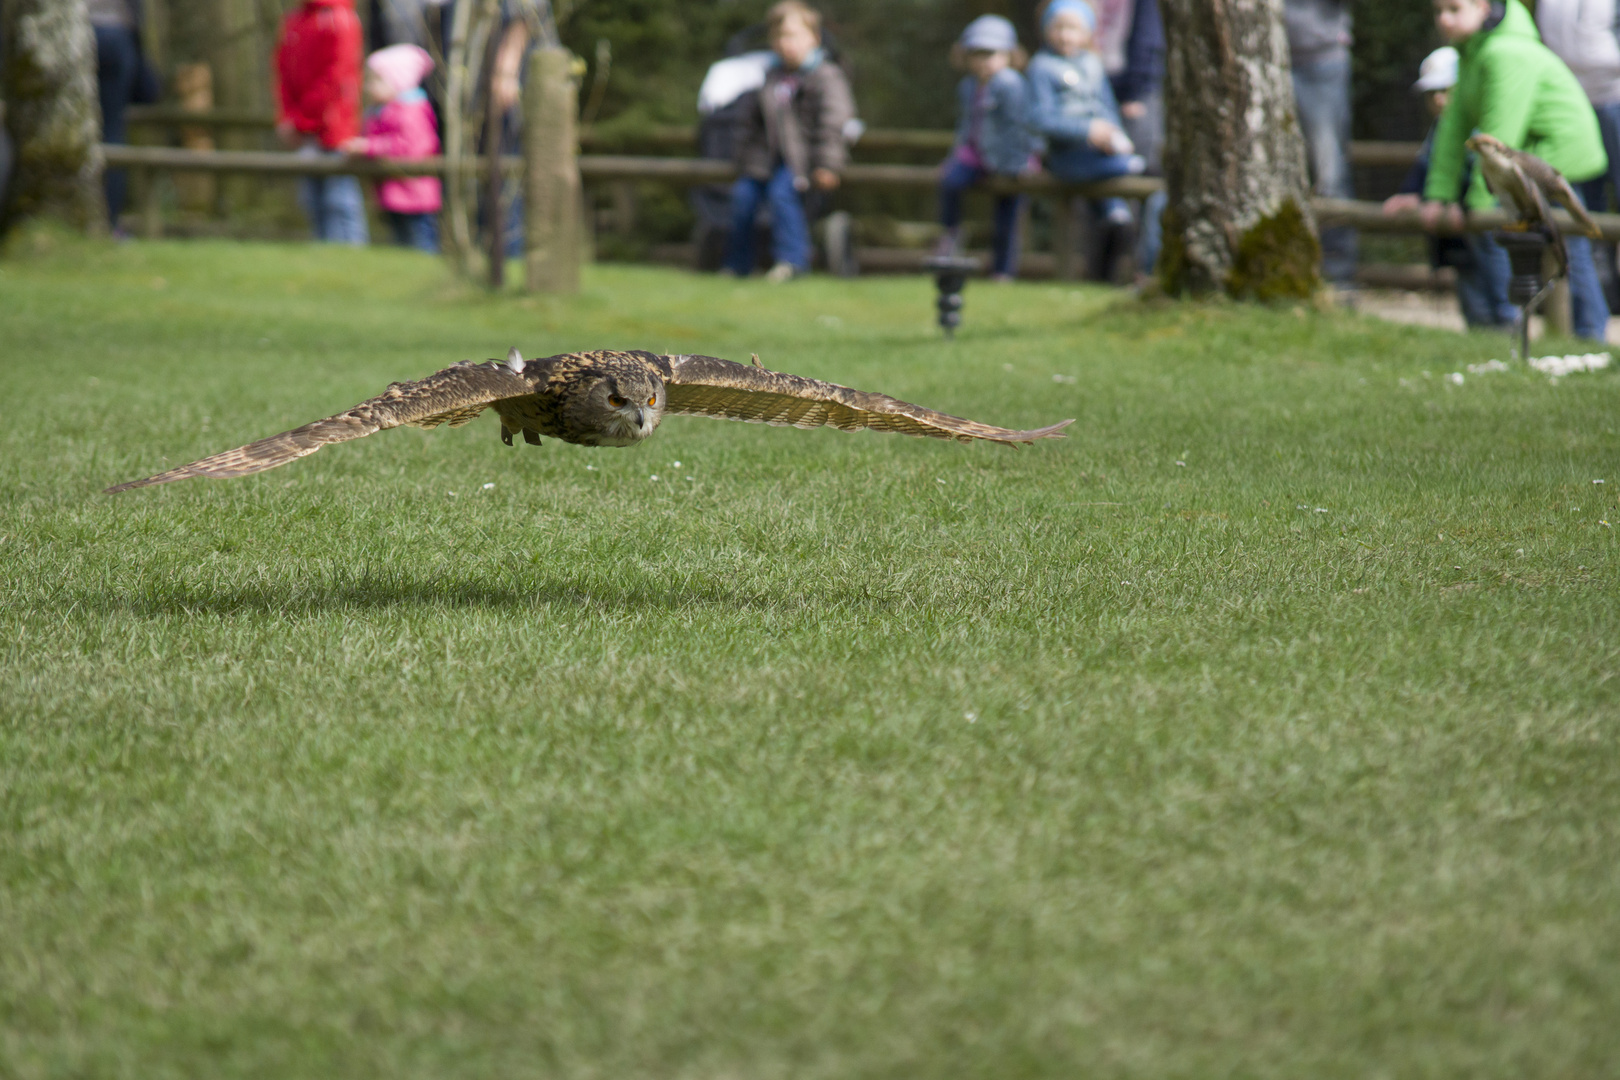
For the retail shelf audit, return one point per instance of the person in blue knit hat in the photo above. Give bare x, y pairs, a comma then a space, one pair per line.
992, 135
1072, 105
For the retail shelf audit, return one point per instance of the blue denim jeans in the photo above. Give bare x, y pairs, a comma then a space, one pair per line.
419, 231
1322, 98
1082, 163
118, 65
1482, 284
1592, 191
790, 233
1151, 238
1589, 310
956, 179
334, 205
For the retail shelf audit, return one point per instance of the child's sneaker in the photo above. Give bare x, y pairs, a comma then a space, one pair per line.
782, 271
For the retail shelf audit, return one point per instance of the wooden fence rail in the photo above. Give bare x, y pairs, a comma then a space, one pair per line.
680, 137
146, 161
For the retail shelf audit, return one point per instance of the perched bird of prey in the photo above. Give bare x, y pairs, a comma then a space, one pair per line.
600, 399
1524, 183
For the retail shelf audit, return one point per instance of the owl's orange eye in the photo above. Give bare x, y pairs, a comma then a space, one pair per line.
653, 400
616, 401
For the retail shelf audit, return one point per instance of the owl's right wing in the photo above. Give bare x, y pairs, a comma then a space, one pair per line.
708, 386
453, 396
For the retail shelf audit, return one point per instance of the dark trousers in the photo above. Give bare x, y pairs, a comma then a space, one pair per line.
956, 179
420, 231
118, 64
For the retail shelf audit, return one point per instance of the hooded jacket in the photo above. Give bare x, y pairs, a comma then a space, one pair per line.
798, 118
1512, 86
317, 66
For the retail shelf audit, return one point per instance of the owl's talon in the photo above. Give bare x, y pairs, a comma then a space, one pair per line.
531, 437
506, 436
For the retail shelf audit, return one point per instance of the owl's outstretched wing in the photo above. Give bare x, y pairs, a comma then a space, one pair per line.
453, 396
707, 386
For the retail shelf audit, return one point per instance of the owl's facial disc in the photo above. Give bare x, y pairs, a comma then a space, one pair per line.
631, 410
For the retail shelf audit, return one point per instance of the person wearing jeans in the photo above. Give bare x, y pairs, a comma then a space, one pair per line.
1585, 35
118, 74
1511, 86
790, 142
1319, 53
790, 234
1072, 105
992, 136
317, 65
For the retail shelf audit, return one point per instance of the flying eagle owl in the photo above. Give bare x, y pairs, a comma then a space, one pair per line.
600, 399
1524, 183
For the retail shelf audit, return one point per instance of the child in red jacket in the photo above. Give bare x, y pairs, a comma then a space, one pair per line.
402, 126
317, 66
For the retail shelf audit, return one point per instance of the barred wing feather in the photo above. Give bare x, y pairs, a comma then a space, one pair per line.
453, 396
708, 386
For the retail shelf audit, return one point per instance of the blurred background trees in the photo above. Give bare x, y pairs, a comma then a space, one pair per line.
895, 49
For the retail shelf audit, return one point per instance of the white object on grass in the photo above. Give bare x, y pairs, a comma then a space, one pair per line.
1570, 363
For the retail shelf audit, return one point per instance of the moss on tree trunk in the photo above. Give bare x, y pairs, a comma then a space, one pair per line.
1238, 220
52, 114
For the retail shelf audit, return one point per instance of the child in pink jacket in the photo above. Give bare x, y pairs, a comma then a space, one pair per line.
402, 125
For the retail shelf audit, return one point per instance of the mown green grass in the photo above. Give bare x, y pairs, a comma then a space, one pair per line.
820, 755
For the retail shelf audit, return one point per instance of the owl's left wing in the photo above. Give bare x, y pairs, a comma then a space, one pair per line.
453, 396
708, 386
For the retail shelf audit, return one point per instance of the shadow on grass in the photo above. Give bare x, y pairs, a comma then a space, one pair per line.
384, 593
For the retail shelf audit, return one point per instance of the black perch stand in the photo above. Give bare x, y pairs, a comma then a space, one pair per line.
1526, 286
950, 278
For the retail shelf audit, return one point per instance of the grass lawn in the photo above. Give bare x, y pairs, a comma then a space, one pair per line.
1267, 726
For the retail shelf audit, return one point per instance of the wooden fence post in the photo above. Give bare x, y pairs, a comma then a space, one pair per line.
1556, 308
551, 192
151, 204
1065, 237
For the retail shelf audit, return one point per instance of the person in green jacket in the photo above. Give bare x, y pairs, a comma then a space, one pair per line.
1512, 86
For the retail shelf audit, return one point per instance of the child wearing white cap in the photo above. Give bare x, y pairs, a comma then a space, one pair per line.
1481, 264
992, 135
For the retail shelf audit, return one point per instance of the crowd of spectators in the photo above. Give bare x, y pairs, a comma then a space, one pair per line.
1087, 106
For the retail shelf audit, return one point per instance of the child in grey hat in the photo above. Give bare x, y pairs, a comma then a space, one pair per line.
993, 137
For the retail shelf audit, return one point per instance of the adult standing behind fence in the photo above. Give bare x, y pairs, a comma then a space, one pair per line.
791, 139
317, 66
1583, 34
1130, 42
1319, 53
122, 77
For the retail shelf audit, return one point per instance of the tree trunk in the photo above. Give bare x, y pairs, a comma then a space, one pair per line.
52, 114
1239, 218
551, 196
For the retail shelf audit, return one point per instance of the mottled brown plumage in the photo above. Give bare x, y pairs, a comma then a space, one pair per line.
1524, 183
600, 399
